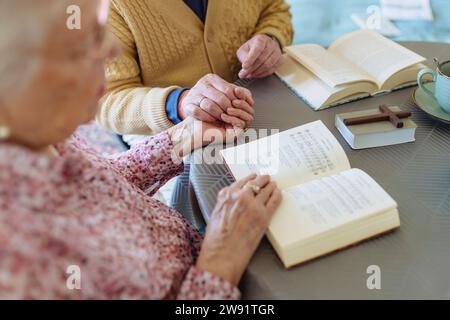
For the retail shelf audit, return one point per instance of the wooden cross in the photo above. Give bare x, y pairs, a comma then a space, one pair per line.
385, 115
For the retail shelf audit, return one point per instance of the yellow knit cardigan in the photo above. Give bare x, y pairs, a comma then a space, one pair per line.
166, 46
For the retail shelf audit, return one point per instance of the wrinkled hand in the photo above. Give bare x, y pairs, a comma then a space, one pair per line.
237, 226
259, 56
213, 99
193, 134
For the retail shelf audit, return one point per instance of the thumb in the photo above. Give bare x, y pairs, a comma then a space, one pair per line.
242, 52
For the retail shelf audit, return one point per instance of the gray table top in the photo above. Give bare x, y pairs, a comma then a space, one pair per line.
414, 260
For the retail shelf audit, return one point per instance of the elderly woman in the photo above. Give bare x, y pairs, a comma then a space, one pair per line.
172, 46
63, 208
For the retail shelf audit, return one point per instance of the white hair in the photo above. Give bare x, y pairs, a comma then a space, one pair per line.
25, 26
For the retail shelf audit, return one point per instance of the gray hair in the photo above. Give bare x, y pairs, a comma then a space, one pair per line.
25, 26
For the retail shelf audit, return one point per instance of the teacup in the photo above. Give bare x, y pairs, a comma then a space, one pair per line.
441, 77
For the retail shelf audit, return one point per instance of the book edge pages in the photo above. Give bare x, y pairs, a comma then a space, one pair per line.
352, 139
342, 248
345, 101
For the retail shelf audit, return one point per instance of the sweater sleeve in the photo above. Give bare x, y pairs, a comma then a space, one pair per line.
202, 285
128, 106
41, 274
275, 20
148, 165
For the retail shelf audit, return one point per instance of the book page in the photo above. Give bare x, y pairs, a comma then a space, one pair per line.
313, 90
304, 83
331, 69
320, 205
378, 56
291, 157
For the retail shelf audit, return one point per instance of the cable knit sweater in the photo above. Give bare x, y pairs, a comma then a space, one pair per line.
80, 209
166, 46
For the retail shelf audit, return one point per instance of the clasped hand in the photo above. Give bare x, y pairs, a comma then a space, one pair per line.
214, 100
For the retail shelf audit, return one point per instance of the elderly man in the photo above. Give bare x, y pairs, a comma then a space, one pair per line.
173, 45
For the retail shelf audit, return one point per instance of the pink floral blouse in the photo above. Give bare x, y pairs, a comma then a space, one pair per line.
84, 210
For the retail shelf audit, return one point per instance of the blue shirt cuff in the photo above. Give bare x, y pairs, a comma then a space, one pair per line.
172, 105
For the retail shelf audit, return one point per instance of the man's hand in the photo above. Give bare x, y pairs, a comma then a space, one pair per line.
213, 99
259, 56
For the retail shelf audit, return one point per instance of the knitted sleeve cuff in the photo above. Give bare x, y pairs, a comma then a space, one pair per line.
154, 108
202, 285
277, 34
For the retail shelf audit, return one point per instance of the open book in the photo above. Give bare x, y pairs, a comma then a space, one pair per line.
326, 205
358, 65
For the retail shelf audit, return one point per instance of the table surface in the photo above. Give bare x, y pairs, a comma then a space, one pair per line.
414, 260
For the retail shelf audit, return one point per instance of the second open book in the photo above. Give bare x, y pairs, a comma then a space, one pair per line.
360, 64
326, 205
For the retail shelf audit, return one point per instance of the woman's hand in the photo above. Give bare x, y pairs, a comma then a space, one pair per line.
237, 226
193, 134
213, 99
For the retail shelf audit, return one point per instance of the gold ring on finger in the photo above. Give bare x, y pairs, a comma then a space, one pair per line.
255, 188
201, 100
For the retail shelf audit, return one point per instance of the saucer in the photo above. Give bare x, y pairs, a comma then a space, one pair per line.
429, 105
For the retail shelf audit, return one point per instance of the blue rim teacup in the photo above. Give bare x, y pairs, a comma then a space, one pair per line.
441, 76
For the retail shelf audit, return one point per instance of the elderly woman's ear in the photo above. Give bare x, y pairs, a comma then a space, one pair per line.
5, 131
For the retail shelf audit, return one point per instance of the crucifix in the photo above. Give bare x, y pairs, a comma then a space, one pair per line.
385, 115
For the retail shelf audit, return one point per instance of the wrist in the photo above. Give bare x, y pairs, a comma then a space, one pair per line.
276, 40
182, 141
181, 114
224, 273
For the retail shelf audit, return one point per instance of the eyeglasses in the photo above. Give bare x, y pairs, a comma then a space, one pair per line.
96, 45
